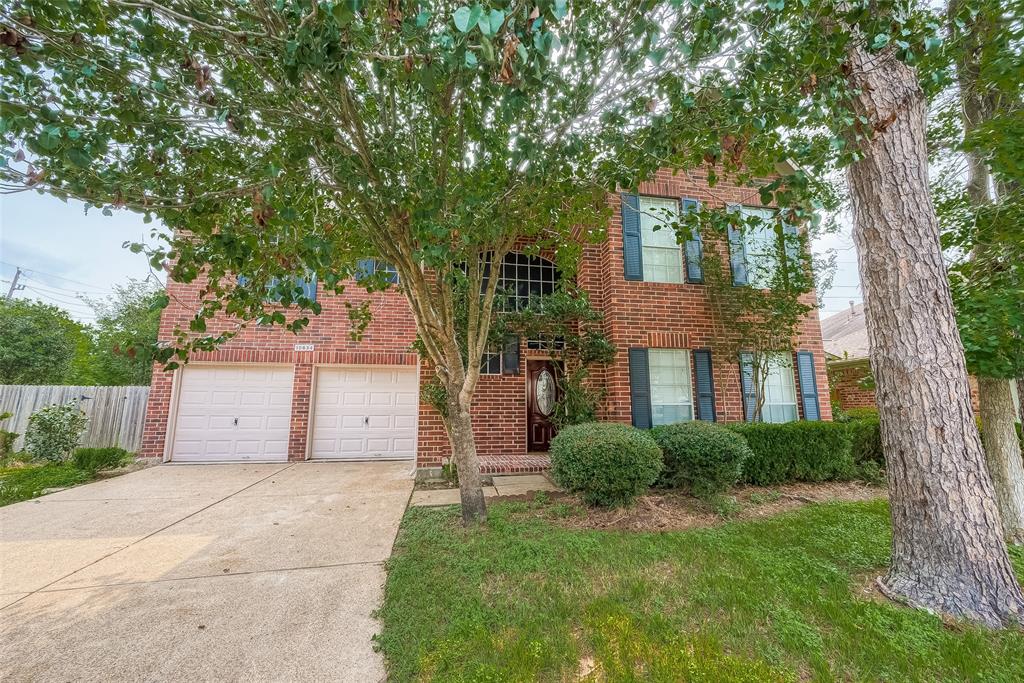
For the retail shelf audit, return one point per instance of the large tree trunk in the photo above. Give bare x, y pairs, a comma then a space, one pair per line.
948, 553
459, 425
1002, 451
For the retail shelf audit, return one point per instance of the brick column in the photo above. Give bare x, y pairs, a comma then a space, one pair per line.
158, 408
302, 393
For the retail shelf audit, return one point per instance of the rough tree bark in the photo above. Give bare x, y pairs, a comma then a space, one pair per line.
948, 553
459, 426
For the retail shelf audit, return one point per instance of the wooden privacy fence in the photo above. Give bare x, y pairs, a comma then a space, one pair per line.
115, 414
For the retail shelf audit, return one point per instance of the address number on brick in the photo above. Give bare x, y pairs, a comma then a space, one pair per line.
303, 347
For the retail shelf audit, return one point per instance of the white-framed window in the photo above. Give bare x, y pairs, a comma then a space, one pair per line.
662, 255
525, 280
671, 386
761, 246
490, 362
779, 389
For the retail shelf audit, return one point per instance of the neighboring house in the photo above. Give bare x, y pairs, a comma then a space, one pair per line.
851, 384
269, 395
845, 338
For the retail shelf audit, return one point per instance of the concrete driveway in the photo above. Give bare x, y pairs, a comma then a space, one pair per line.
201, 572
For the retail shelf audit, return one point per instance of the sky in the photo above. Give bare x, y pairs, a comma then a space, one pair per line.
67, 254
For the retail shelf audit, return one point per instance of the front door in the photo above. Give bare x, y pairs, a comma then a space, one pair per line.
541, 395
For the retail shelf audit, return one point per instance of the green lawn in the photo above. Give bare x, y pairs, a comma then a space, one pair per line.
524, 599
23, 483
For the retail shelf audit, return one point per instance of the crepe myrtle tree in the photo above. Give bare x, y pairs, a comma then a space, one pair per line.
760, 296
278, 139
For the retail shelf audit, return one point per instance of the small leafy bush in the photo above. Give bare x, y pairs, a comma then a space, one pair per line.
96, 459
6, 438
609, 464
858, 414
701, 457
55, 431
797, 451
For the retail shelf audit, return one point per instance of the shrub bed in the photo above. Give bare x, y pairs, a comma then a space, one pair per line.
95, 459
701, 457
797, 451
608, 464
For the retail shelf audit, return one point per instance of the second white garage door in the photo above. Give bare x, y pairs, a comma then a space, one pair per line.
364, 413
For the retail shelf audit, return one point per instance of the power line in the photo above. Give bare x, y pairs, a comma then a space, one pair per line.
35, 271
64, 291
60, 300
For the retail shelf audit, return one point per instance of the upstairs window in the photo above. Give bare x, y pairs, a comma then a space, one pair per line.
524, 280
761, 246
662, 255
756, 251
369, 266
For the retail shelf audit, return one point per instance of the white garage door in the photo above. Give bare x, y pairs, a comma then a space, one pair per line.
365, 413
232, 413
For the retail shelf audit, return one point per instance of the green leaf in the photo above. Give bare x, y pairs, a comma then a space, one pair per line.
776, 5
461, 19
470, 60
423, 18
491, 23
343, 14
880, 41
560, 9
79, 158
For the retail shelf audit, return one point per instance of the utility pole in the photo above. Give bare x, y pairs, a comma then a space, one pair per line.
14, 284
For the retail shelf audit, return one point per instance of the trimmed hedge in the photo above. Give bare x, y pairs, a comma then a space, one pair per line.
96, 459
701, 457
797, 451
609, 464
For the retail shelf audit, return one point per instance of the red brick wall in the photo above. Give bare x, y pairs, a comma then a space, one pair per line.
387, 341
653, 314
846, 388
847, 392
636, 314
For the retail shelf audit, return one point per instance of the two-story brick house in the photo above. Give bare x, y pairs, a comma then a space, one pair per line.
270, 395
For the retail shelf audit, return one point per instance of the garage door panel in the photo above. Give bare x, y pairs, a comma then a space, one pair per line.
232, 414
405, 421
365, 413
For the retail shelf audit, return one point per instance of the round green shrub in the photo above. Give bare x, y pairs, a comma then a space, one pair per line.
703, 458
55, 431
608, 464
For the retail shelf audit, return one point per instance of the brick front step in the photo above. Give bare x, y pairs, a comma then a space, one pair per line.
514, 464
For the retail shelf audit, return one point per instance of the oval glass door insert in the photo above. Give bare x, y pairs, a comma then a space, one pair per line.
545, 392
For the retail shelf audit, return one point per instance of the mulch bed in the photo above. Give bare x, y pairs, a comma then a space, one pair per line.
674, 511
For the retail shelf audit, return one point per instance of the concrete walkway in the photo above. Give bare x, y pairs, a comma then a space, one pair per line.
501, 485
201, 572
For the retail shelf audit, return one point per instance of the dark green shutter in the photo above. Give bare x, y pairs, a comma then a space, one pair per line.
640, 388
510, 355
694, 250
704, 381
808, 385
632, 251
747, 386
737, 251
